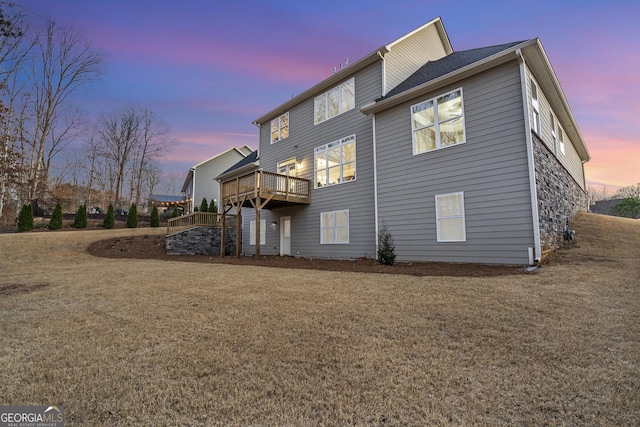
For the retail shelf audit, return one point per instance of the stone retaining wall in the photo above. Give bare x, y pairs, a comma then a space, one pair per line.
559, 196
201, 241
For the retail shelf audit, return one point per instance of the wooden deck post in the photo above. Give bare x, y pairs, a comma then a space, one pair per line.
222, 233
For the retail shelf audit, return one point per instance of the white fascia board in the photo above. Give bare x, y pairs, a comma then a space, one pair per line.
540, 65
444, 38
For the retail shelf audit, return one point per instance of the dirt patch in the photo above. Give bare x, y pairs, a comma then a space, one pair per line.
21, 288
153, 247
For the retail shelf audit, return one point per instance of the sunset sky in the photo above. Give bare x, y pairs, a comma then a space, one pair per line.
210, 67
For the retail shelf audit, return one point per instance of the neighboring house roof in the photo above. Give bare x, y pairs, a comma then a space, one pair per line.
604, 206
369, 59
456, 60
248, 163
244, 151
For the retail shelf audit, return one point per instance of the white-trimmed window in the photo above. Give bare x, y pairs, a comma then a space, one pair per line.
335, 162
280, 127
450, 217
560, 139
263, 232
554, 137
535, 104
438, 122
334, 227
336, 101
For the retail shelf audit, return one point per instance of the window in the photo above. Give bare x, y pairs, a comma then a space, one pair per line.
335, 162
561, 139
535, 103
263, 232
338, 100
334, 227
280, 128
554, 138
438, 122
450, 217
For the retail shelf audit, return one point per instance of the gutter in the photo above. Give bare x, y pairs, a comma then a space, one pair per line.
536, 256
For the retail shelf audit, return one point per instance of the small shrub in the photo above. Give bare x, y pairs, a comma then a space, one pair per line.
175, 213
204, 206
80, 220
132, 218
109, 220
154, 221
212, 206
196, 209
386, 246
56, 218
25, 219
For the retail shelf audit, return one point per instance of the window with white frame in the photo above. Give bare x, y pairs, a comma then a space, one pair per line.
263, 232
450, 217
554, 137
334, 227
335, 162
335, 101
535, 104
560, 139
438, 122
280, 127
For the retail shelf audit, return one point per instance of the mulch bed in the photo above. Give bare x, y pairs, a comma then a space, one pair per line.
152, 247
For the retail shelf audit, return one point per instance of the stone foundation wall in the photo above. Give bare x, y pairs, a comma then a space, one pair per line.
559, 196
201, 241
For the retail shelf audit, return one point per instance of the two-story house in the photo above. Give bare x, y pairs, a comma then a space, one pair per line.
200, 180
469, 156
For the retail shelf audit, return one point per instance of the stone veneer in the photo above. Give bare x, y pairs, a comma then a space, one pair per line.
559, 195
201, 241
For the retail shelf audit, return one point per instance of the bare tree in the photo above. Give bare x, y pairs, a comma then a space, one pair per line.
63, 62
118, 137
628, 192
131, 141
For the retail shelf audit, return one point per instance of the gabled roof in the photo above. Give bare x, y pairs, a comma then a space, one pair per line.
248, 163
243, 151
446, 71
456, 60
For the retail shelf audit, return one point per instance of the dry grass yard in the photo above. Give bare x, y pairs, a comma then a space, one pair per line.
151, 342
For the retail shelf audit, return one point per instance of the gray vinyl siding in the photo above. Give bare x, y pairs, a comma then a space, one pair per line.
570, 159
357, 196
490, 168
406, 56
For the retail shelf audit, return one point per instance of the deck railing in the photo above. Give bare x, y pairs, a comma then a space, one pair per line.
265, 184
197, 219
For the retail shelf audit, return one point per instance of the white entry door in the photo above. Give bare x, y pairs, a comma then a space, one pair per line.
285, 235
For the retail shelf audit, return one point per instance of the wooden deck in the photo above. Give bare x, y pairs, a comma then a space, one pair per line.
272, 189
197, 219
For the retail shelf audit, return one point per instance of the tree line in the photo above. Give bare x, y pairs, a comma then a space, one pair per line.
116, 156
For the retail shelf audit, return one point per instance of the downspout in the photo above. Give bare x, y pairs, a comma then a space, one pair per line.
534, 257
193, 190
375, 182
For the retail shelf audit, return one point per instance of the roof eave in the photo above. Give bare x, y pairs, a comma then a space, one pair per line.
538, 61
239, 171
461, 73
326, 84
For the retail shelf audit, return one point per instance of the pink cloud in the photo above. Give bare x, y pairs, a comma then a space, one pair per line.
613, 162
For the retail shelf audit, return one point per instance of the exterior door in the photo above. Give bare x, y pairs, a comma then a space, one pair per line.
285, 235
287, 168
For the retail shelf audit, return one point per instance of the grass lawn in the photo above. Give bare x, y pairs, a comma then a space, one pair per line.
146, 342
